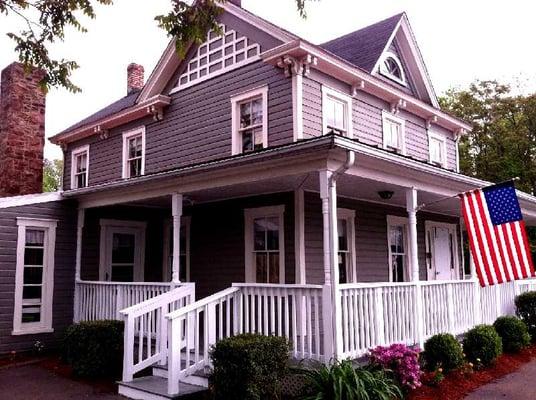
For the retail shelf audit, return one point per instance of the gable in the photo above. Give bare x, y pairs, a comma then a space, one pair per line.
394, 50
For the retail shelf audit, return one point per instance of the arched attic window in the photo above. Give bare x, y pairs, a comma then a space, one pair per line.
391, 67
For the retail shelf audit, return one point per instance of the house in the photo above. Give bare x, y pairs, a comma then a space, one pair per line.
263, 184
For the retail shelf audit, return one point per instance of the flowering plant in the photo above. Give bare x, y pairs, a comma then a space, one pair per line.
402, 360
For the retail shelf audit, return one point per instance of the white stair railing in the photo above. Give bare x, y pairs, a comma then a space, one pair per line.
145, 334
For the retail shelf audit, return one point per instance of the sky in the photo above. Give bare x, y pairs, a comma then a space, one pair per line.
460, 41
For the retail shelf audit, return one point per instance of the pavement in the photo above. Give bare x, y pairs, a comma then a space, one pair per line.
37, 383
519, 385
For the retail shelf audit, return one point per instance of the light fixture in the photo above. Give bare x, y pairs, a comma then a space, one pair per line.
386, 194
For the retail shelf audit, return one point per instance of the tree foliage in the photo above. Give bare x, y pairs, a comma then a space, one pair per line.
44, 22
52, 174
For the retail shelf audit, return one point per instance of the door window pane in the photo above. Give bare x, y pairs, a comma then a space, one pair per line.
266, 249
123, 255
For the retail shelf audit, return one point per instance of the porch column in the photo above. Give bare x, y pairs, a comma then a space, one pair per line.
331, 305
412, 208
176, 211
78, 263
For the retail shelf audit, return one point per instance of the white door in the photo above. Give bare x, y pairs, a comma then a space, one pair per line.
123, 254
442, 253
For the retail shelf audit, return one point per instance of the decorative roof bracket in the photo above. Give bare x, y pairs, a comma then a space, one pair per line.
358, 86
397, 105
294, 66
156, 112
102, 132
430, 121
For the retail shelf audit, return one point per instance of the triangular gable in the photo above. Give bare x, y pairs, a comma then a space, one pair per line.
247, 34
403, 41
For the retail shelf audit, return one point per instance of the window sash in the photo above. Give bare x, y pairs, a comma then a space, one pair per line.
134, 155
336, 114
398, 251
436, 151
80, 168
251, 124
394, 134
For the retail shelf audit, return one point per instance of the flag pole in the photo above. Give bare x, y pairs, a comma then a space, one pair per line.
421, 206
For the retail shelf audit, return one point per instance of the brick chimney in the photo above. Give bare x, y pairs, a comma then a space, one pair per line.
22, 131
135, 79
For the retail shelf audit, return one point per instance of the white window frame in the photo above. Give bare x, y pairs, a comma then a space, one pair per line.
250, 214
236, 101
392, 221
430, 267
74, 156
389, 117
186, 222
110, 226
349, 216
387, 74
441, 138
47, 291
129, 135
329, 93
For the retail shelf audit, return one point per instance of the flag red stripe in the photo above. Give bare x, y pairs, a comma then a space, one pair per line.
509, 250
480, 270
527, 247
517, 244
505, 261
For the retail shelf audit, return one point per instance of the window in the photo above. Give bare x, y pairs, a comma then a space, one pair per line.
398, 255
437, 149
134, 153
250, 121
264, 245
346, 231
184, 272
393, 133
336, 112
34, 279
391, 68
80, 167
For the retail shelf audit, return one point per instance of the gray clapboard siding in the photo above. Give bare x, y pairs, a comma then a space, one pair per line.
312, 108
64, 269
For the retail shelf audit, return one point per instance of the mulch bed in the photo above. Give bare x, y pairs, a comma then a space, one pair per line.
457, 385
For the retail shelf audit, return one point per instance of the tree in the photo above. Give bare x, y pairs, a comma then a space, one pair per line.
45, 22
52, 174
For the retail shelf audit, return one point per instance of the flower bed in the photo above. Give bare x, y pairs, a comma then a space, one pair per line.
458, 384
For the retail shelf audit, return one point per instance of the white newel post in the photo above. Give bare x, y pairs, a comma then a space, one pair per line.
176, 211
78, 266
412, 208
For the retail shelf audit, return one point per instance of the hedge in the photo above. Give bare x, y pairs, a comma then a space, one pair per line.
442, 351
526, 310
482, 345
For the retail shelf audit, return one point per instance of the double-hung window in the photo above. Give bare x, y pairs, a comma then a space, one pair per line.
437, 149
250, 121
79, 167
393, 133
134, 153
264, 244
336, 112
398, 254
346, 252
34, 277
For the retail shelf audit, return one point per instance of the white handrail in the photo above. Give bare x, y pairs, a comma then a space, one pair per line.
201, 303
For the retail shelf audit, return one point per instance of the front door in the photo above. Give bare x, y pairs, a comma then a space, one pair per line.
442, 252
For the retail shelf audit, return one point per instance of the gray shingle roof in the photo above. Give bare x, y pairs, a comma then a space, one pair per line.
364, 47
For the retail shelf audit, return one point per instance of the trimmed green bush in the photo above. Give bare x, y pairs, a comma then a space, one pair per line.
513, 333
94, 349
526, 310
249, 367
442, 351
482, 345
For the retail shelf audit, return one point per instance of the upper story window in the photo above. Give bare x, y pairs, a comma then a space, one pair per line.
80, 167
134, 153
393, 133
437, 149
250, 121
391, 67
336, 112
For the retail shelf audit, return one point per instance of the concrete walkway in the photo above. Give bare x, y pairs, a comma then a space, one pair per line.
37, 383
519, 385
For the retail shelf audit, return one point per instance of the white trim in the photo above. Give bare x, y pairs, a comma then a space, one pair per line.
236, 100
387, 116
76, 152
126, 136
328, 93
393, 220
249, 215
299, 236
437, 136
349, 216
297, 106
429, 225
167, 272
110, 226
382, 71
28, 199
47, 290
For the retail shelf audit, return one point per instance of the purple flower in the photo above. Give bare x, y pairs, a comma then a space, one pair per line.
402, 360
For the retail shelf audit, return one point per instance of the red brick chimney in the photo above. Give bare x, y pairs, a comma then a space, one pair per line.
22, 131
135, 77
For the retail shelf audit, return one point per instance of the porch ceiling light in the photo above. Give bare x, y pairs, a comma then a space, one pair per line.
386, 194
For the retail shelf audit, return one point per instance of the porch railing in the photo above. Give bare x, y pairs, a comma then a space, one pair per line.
96, 300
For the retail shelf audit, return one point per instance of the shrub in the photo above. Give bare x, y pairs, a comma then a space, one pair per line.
94, 349
341, 381
482, 345
513, 333
402, 360
249, 367
526, 310
442, 351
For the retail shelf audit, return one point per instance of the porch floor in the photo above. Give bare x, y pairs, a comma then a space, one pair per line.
156, 388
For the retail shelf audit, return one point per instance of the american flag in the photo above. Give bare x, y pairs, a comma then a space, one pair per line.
497, 234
